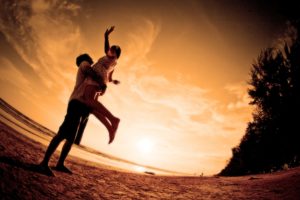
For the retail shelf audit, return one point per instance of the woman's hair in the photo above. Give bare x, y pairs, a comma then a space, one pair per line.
117, 50
84, 57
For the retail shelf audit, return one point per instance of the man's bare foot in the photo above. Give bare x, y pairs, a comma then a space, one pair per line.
112, 133
62, 168
45, 169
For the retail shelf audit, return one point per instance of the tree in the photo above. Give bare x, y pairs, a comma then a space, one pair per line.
272, 139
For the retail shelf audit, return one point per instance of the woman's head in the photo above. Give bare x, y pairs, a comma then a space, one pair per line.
115, 51
84, 57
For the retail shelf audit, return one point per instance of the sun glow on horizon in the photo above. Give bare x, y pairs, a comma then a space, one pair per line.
139, 169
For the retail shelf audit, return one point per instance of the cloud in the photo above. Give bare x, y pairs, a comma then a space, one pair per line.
185, 99
44, 35
139, 44
239, 90
11, 74
42, 6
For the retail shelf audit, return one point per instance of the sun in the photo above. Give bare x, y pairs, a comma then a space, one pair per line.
145, 145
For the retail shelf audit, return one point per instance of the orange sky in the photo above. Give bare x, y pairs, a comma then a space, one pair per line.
184, 69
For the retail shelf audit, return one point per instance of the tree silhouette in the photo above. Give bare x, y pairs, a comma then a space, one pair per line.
272, 139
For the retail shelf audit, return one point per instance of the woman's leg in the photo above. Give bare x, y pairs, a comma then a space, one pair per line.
100, 111
111, 130
103, 119
97, 107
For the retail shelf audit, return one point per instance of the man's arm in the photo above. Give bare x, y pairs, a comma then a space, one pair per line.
88, 71
91, 73
106, 43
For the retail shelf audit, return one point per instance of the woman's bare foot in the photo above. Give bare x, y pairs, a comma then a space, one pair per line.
112, 133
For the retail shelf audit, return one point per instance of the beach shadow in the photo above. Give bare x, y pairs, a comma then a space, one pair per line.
23, 165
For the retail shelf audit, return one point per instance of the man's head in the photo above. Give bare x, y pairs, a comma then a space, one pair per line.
84, 57
115, 51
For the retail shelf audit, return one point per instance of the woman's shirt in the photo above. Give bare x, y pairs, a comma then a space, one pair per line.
103, 67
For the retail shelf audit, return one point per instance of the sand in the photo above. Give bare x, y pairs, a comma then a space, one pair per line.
19, 178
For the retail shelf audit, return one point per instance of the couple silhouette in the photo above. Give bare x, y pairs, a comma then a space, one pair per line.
91, 82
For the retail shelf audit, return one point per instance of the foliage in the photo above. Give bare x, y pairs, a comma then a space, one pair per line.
272, 138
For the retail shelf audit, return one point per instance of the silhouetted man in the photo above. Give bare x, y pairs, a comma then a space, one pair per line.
77, 113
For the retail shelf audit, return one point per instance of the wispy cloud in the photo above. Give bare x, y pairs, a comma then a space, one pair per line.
44, 35
11, 74
242, 99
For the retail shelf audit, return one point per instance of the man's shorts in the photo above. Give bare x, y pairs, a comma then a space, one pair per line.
68, 129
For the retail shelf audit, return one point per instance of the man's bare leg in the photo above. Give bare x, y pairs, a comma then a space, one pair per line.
50, 150
64, 153
81, 129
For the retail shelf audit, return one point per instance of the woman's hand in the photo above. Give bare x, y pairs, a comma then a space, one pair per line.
101, 93
116, 82
108, 31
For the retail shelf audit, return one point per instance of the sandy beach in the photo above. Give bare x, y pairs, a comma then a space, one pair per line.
19, 156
